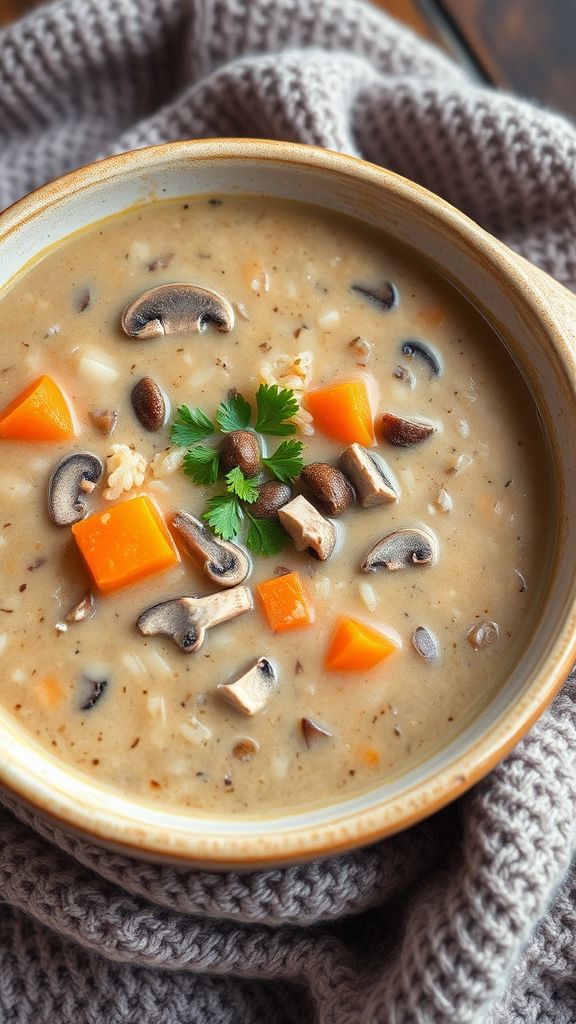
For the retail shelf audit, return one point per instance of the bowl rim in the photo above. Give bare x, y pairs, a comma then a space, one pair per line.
363, 826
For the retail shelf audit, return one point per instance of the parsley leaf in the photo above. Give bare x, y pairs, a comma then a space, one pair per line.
224, 515
201, 463
243, 487
274, 405
286, 463
265, 536
233, 414
190, 426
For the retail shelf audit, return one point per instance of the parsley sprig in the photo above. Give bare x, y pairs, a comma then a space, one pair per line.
228, 513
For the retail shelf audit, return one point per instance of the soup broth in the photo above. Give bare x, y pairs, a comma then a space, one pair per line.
317, 300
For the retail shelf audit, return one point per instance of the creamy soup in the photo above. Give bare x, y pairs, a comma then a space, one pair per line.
424, 558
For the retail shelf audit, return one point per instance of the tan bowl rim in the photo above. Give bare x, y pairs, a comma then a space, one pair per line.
362, 826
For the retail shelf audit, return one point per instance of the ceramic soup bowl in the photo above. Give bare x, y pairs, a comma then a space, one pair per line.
536, 319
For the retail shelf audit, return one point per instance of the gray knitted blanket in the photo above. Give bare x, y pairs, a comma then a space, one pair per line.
468, 918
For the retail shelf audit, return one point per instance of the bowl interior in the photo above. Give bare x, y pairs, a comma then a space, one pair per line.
521, 313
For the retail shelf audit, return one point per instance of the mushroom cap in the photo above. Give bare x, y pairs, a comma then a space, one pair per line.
402, 549
329, 486
241, 448
422, 350
176, 309
223, 562
384, 295
426, 644
404, 432
66, 499
272, 496
149, 404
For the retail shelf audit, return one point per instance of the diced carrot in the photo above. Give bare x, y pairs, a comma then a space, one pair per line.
355, 647
342, 412
285, 602
125, 543
48, 692
370, 757
39, 413
432, 316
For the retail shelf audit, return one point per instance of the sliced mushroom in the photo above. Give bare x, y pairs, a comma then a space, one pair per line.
421, 350
403, 432
105, 420
385, 296
93, 686
485, 634
240, 448
85, 609
69, 482
186, 619
329, 486
309, 530
223, 562
176, 309
374, 481
252, 691
272, 496
312, 731
426, 644
245, 749
149, 404
401, 550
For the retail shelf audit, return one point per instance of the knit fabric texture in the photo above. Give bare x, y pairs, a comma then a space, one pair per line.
468, 918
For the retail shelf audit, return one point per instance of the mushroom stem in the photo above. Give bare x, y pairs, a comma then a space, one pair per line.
252, 691
223, 562
186, 619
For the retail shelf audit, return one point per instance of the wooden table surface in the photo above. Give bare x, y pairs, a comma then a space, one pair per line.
527, 46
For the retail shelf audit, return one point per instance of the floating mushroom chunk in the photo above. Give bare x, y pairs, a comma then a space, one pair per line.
245, 748
85, 609
485, 634
75, 476
149, 404
404, 374
176, 309
384, 296
426, 644
312, 731
105, 420
254, 689
423, 351
404, 432
374, 481
402, 549
223, 562
308, 528
329, 486
186, 619
272, 496
93, 686
240, 448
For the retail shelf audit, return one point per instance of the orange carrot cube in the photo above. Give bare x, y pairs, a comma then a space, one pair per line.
39, 413
125, 543
48, 692
285, 602
342, 412
356, 647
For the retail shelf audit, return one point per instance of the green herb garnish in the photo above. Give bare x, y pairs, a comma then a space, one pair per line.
226, 513
274, 406
286, 463
233, 414
190, 426
201, 463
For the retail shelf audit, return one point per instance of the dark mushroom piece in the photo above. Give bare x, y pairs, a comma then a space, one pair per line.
374, 481
93, 690
74, 477
426, 644
240, 448
223, 562
149, 404
272, 496
105, 420
312, 731
252, 690
402, 549
329, 486
385, 296
186, 619
85, 609
404, 432
421, 350
245, 749
309, 530
176, 309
